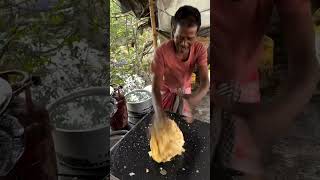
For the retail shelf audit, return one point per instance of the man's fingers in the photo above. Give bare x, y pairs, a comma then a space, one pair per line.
186, 96
225, 88
230, 90
224, 93
189, 119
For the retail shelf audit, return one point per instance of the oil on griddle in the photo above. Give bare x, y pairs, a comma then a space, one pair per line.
130, 159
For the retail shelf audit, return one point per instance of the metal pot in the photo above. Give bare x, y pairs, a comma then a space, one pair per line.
6, 90
139, 107
84, 149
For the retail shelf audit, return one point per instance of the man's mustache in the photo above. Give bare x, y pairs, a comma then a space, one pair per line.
184, 47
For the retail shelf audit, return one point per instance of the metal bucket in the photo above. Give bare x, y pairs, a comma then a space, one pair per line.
141, 106
137, 110
84, 149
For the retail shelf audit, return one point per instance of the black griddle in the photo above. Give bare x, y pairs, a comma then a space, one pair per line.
130, 155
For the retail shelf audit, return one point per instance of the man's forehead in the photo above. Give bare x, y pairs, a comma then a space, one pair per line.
187, 30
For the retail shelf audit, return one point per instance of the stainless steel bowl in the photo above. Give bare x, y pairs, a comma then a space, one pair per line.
141, 106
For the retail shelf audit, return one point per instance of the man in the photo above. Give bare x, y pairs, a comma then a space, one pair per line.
238, 29
173, 64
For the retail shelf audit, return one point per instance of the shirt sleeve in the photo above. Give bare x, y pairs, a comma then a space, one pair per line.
157, 65
202, 58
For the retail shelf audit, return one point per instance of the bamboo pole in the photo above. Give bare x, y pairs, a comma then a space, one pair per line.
153, 23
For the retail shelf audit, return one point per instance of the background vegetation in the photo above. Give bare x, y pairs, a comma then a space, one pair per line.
130, 48
59, 40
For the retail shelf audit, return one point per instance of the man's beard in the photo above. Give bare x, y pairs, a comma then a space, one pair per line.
183, 49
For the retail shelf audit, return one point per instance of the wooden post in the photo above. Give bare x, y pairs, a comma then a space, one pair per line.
153, 23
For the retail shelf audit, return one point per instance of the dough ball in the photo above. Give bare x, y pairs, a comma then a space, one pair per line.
166, 141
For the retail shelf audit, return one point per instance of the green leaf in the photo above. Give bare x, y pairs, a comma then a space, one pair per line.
56, 19
71, 39
2, 24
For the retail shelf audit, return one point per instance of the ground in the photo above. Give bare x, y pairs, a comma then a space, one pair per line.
298, 153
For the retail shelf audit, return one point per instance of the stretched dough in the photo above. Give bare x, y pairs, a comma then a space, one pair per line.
166, 141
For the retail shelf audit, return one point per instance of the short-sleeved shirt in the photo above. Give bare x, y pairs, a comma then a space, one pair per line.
175, 72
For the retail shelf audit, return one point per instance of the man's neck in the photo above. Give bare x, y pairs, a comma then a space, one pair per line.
183, 56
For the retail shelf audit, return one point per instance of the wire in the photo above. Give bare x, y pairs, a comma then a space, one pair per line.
204, 10
173, 15
164, 11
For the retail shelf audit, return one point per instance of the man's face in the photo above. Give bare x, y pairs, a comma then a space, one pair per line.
184, 36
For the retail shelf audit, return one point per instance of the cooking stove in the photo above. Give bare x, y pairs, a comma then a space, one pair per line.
68, 173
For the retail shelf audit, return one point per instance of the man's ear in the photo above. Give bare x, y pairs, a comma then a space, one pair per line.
172, 32
173, 26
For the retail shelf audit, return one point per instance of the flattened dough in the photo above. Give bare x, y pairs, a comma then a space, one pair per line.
166, 141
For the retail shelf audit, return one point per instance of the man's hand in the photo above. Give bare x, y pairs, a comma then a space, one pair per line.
225, 95
192, 100
195, 99
223, 102
157, 98
160, 115
160, 119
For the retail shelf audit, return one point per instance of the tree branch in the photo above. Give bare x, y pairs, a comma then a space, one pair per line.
10, 39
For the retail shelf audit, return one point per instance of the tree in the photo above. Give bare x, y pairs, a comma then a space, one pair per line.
62, 41
130, 46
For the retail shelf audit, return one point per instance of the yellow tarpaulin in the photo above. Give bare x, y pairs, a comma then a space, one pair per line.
266, 62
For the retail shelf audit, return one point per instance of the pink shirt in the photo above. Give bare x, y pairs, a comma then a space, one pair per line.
177, 73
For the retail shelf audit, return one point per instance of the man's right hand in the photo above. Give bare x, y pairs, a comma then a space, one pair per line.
160, 116
159, 120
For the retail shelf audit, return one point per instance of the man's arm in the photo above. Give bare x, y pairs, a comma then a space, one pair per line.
268, 120
297, 25
157, 67
202, 62
204, 86
156, 93
204, 81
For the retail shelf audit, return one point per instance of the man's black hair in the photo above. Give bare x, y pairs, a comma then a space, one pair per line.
187, 15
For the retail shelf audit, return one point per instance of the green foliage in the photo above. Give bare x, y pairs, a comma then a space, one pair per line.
130, 51
56, 19
29, 38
